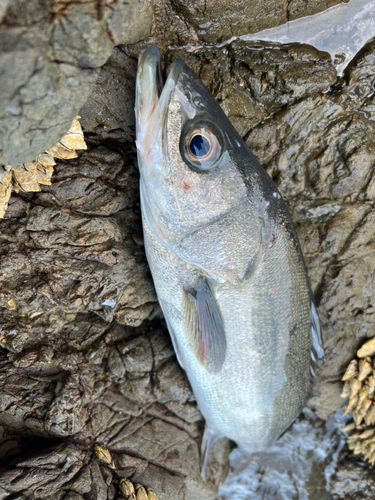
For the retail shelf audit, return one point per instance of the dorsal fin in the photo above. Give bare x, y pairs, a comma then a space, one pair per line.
204, 325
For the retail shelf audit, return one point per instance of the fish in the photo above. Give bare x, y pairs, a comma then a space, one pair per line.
225, 260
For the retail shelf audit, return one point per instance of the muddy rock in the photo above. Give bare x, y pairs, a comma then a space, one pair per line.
85, 397
314, 134
85, 360
83, 233
62, 472
50, 54
212, 21
352, 481
131, 22
85, 356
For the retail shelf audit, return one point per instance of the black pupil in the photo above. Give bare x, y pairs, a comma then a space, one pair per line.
199, 146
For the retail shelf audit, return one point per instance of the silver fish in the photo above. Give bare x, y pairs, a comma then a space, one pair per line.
225, 260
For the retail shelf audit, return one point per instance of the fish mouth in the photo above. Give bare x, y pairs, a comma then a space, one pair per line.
152, 96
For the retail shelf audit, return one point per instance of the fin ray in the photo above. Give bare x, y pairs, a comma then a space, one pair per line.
209, 439
205, 325
316, 341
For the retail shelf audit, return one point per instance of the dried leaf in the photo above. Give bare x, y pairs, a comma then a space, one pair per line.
352, 404
370, 384
74, 138
366, 404
357, 449
363, 393
26, 178
73, 141
360, 387
370, 416
151, 495
355, 386
345, 390
46, 160
366, 434
61, 152
348, 428
358, 416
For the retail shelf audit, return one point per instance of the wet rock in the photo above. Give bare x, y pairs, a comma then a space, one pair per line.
84, 359
352, 481
315, 137
131, 22
252, 81
50, 54
63, 472
43, 475
80, 361
78, 396
165, 445
212, 21
110, 111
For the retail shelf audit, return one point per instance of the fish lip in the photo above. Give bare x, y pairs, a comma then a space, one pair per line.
152, 97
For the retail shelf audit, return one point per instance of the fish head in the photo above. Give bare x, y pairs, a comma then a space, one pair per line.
191, 159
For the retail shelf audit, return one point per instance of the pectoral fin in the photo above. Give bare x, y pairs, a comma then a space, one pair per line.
204, 325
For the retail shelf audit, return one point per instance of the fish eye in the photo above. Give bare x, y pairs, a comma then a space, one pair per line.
201, 147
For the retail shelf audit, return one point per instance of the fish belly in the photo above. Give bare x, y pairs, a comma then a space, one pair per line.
264, 381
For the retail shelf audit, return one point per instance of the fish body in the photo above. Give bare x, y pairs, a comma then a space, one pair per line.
225, 261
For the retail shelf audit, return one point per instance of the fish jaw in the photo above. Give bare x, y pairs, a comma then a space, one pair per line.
151, 108
148, 88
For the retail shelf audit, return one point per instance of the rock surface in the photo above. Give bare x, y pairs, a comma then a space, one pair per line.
50, 53
352, 481
315, 136
212, 21
86, 359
